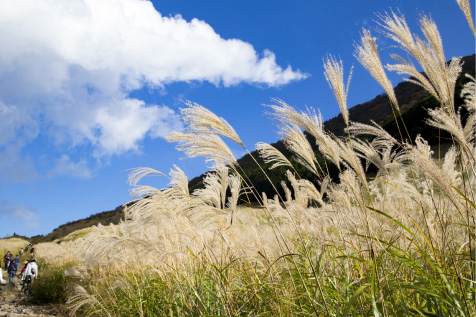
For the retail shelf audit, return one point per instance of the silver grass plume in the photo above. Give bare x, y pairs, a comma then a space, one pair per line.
211, 147
179, 180
466, 8
351, 159
211, 194
368, 55
421, 157
287, 192
222, 173
271, 155
136, 175
200, 120
311, 123
440, 119
81, 298
285, 114
296, 141
357, 128
449, 167
299, 198
234, 184
470, 129
304, 191
334, 72
432, 35
439, 79
379, 153
469, 94
408, 68
396, 28
216, 184
308, 120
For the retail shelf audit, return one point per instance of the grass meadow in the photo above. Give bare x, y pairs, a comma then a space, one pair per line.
399, 243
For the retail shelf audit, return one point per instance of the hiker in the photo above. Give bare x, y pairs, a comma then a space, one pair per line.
30, 273
1, 276
25, 264
31, 268
26, 248
12, 270
32, 249
7, 258
21, 252
17, 260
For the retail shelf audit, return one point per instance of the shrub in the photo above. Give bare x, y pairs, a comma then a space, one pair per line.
51, 286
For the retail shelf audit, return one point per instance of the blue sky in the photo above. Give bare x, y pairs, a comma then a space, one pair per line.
89, 88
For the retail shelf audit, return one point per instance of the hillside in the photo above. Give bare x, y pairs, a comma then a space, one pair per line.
413, 101
104, 218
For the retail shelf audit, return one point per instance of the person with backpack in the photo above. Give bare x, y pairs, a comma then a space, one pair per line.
17, 260
12, 270
30, 273
22, 275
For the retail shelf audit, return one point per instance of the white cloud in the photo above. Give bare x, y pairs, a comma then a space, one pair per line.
19, 211
65, 166
67, 68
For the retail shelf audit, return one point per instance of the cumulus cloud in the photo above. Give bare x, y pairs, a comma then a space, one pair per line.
19, 211
67, 69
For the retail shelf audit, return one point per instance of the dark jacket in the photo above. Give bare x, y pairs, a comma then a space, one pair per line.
13, 267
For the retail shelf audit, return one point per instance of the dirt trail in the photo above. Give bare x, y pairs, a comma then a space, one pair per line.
14, 303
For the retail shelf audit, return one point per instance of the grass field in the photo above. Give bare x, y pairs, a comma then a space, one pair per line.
399, 243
